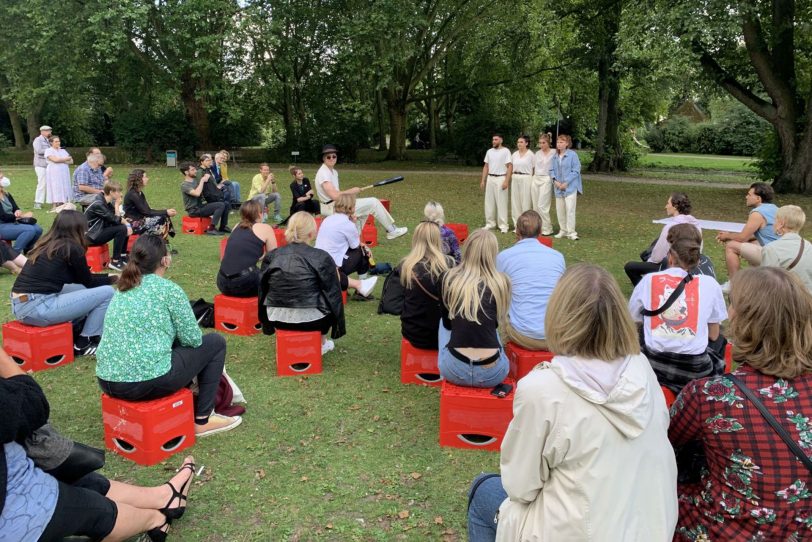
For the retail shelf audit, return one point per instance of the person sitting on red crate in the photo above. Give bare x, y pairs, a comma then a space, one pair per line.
56, 286
300, 288
152, 345
145, 219
433, 212
250, 239
196, 204
303, 197
104, 222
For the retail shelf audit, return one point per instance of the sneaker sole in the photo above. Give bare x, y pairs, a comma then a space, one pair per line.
219, 430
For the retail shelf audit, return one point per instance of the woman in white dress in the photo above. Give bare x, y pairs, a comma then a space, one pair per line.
57, 173
522, 178
541, 193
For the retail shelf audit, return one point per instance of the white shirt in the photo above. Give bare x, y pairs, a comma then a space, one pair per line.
497, 160
325, 175
336, 236
523, 164
544, 162
683, 327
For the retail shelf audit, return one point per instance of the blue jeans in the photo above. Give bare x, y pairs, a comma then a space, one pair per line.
463, 374
231, 192
72, 303
266, 199
484, 506
26, 235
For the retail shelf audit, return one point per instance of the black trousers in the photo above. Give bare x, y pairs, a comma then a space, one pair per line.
355, 261
322, 325
119, 236
242, 286
310, 206
218, 211
636, 270
82, 510
205, 362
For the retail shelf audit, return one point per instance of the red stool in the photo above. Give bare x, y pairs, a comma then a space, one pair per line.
369, 235
298, 352
670, 396
522, 360
223, 243
418, 366
131, 241
319, 220
148, 432
344, 296
38, 348
545, 240
472, 418
195, 225
460, 230
728, 358
237, 315
279, 233
98, 258
386, 205
370, 221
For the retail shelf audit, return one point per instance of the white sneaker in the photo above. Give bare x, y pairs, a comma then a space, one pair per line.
397, 232
573, 237
726, 287
37, 206
327, 346
367, 285
560, 235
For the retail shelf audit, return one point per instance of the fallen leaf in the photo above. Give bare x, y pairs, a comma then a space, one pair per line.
403, 514
260, 474
303, 479
416, 475
438, 520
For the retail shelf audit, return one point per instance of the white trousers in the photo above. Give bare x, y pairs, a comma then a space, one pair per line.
363, 208
541, 197
39, 196
496, 203
565, 209
520, 195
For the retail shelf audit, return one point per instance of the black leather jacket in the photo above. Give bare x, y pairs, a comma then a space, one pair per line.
300, 276
100, 215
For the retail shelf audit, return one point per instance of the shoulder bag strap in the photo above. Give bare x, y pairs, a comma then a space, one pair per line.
780, 429
670, 301
432, 296
798, 257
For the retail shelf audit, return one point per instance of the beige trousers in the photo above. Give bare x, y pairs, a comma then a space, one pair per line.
541, 195
496, 203
520, 195
511, 335
565, 209
363, 208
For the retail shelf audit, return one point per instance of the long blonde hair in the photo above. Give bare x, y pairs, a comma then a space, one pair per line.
427, 247
463, 285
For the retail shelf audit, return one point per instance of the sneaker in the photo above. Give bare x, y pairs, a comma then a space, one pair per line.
277, 218
560, 235
367, 285
217, 424
503, 231
573, 237
212, 231
87, 350
358, 297
397, 232
327, 346
37, 206
726, 287
225, 229
116, 265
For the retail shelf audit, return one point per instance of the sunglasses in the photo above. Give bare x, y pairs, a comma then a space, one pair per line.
331, 156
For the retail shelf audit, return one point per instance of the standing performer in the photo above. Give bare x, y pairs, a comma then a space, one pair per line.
328, 191
541, 193
41, 145
566, 175
497, 170
523, 162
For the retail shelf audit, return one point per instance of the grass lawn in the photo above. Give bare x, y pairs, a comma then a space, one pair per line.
350, 454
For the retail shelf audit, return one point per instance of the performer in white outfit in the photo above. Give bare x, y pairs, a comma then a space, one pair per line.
497, 172
541, 193
522, 179
41, 145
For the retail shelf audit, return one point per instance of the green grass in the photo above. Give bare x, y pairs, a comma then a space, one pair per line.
742, 164
343, 455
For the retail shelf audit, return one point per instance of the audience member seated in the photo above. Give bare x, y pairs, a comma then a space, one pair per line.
752, 485
790, 251
215, 190
758, 232
56, 285
263, 190
339, 237
16, 225
433, 212
239, 275
300, 288
143, 218
475, 300
420, 274
303, 197
192, 190
588, 432
678, 208
11, 259
152, 346
89, 179
534, 270
104, 222
681, 330
231, 189
36, 506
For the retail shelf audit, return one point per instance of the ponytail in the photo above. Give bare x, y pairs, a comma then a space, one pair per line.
145, 258
130, 277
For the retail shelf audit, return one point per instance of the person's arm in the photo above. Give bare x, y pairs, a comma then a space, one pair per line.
572, 173
270, 237
769, 254
636, 302
198, 190
508, 175
81, 272
333, 194
484, 176
351, 233
754, 223
139, 203
22, 402
183, 319
7, 217
686, 423
660, 250
718, 312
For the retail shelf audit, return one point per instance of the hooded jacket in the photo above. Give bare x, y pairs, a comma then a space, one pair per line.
587, 456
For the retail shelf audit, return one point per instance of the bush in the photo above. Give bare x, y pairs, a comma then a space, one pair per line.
148, 136
472, 135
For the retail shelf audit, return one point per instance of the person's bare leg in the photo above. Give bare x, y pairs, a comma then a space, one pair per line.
151, 497
132, 521
732, 260
353, 283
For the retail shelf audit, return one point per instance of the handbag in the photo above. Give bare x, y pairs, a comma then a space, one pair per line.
27, 220
82, 461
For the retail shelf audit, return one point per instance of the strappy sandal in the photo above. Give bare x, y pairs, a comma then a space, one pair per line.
158, 534
180, 494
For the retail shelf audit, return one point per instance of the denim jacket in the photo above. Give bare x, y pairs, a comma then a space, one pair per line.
567, 170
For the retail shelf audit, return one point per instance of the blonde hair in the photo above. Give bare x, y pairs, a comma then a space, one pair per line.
463, 285
771, 321
587, 316
792, 216
345, 204
546, 136
434, 212
301, 228
427, 247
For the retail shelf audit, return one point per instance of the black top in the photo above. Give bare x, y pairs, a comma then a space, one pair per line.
466, 334
50, 275
211, 194
243, 250
100, 214
9, 217
300, 190
421, 314
137, 208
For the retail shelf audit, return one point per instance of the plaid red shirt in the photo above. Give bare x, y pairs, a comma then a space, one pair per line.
754, 488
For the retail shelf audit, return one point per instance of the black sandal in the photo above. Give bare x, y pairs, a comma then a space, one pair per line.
176, 513
158, 534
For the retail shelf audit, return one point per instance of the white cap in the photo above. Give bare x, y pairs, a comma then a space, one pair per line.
44, 128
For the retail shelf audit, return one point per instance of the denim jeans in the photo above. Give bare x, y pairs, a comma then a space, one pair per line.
463, 374
231, 192
266, 199
25, 234
72, 303
484, 506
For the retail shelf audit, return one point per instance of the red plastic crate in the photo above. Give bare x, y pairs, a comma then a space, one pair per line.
369, 236
237, 315
319, 220
386, 205
522, 360
38, 348
460, 230
131, 241
298, 352
669, 395
728, 358
344, 296
418, 366
472, 418
279, 233
370, 221
223, 243
98, 258
545, 240
195, 225
148, 432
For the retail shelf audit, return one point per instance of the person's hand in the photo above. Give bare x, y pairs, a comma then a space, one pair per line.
353, 218
70, 160
309, 193
355, 190
108, 173
18, 213
505, 185
28, 214
205, 178
482, 185
721, 237
171, 212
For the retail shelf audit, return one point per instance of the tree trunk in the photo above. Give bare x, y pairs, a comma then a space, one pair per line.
608, 152
380, 115
397, 126
796, 162
431, 107
192, 89
288, 117
16, 127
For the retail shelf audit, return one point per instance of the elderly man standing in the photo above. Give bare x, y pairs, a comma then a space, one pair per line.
41, 145
88, 179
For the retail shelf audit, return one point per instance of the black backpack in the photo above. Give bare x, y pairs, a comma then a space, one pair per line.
204, 312
392, 295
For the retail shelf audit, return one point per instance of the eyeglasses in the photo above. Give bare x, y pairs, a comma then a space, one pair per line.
331, 156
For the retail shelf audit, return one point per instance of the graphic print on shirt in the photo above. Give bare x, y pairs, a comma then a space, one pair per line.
679, 321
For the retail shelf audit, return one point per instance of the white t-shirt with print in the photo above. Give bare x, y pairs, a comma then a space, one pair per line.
523, 164
497, 160
325, 175
336, 236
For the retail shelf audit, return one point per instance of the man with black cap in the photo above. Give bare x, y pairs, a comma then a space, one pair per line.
327, 188
41, 145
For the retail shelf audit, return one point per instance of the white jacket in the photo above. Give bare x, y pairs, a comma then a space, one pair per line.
587, 455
